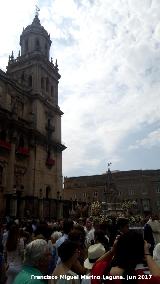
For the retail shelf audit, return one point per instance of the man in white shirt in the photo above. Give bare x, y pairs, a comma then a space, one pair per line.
155, 226
89, 230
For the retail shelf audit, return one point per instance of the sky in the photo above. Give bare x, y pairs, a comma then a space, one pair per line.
108, 55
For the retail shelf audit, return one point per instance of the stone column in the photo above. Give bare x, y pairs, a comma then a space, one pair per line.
59, 210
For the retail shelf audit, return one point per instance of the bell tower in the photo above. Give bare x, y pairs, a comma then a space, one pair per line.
35, 39
32, 94
33, 68
30, 127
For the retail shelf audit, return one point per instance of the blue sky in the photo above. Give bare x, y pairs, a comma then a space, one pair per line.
109, 58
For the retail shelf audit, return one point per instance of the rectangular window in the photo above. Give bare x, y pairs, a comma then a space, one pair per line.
131, 191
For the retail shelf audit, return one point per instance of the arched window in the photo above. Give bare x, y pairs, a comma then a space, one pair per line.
30, 81
42, 83
47, 85
37, 44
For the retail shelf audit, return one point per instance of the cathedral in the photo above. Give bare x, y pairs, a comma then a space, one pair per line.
30, 130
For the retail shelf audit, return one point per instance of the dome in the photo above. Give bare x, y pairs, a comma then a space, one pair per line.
35, 28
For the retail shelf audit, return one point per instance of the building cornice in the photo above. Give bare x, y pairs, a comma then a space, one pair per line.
28, 92
25, 127
35, 57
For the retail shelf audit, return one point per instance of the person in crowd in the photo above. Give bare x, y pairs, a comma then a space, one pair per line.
36, 261
122, 225
60, 224
148, 234
99, 237
1, 238
112, 230
34, 225
104, 226
68, 252
80, 228
67, 228
96, 224
5, 235
14, 251
156, 254
129, 254
77, 236
42, 231
89, 230
155, 226
81, 221
94, 253
26, 236
54, 237
127, 259
3, 276
28, 228
53, 250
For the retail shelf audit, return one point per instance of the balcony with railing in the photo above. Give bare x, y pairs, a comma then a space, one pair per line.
22, 152
50, 162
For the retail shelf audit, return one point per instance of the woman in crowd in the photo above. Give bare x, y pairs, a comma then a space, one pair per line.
54, 237
77, 236
14, 250
100, 237
130, 257
68, 252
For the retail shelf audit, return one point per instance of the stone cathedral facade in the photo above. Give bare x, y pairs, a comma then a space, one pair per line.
30, 130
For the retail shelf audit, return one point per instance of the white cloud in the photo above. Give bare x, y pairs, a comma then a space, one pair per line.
152, 139
109, 57
14, 15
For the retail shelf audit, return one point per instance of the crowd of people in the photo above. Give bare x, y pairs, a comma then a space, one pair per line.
79, 251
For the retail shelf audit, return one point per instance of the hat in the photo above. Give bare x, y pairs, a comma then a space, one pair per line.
94, 252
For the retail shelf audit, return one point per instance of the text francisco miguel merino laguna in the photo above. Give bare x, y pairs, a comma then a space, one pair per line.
76, 277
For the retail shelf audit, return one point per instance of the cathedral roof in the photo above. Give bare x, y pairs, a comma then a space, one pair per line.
35, 27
